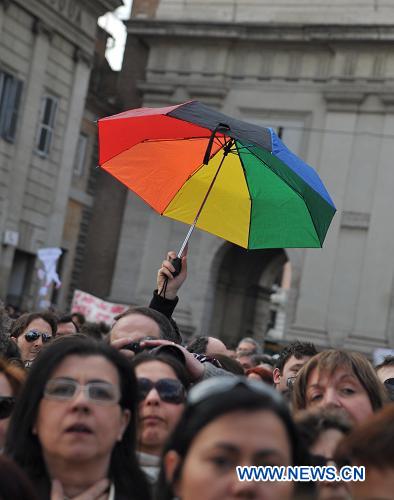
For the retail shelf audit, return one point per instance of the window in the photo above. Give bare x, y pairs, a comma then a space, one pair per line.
10, 96
80, 154
47, 123
20, 278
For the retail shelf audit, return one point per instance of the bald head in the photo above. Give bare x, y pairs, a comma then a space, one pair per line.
135, 327
140, 322
215, 346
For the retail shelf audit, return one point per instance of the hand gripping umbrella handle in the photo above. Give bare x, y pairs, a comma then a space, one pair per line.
177, 263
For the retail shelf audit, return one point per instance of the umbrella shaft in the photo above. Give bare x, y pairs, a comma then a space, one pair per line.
189, 233
226, 151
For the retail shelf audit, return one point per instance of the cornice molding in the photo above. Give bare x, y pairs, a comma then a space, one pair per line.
341, 100
175, 92
5, 4
355, 220
387, 98
100, 7
81, 55
76, 30
260, 31
39, 27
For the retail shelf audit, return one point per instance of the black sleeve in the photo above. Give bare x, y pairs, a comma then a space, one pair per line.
165, 306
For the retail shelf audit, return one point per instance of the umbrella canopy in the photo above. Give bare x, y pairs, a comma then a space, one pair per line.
231, 178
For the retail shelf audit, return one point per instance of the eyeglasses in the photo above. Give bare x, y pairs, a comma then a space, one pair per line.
169, 390
220, 385
389, 382
7, 404
101, 393
33, 335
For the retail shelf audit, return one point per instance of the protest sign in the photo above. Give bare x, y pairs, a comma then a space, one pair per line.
95, 309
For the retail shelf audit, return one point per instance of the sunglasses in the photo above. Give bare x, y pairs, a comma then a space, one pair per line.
7, 404
169, 390
97, 392
33, 335
219, 385
290, 382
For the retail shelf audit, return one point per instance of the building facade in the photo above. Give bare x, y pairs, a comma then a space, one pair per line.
323, 76
46, 55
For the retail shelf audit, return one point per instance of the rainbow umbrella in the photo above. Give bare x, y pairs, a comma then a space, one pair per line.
231, 178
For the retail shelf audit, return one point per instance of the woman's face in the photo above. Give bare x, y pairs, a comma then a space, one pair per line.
325, 446
156, 418
79, 429
341, 390
29, 350
5, 391
239, 438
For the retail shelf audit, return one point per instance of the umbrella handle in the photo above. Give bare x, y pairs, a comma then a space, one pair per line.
220, 127
177, 263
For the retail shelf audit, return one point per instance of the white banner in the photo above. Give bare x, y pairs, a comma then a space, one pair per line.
95, 309
49, 258
48, 275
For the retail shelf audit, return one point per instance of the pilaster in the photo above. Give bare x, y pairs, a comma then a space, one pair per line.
72, 129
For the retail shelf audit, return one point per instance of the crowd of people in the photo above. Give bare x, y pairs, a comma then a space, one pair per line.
89, 412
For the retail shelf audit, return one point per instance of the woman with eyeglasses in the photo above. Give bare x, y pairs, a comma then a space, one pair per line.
229, 422
72, 429
11, 381
31, 331
162, 383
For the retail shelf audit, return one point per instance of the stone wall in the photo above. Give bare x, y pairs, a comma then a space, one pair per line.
326, 78
49, 47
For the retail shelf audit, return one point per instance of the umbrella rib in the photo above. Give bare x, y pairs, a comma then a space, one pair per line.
144, 141
294, 190
187, 180
191, 229
247, 185
151, 140
273, 171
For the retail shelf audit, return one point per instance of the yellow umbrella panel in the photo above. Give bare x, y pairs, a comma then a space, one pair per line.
226, 211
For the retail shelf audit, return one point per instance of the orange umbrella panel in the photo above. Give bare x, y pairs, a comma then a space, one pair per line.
156, 170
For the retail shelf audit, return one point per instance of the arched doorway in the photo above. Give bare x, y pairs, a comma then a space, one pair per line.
242, 296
